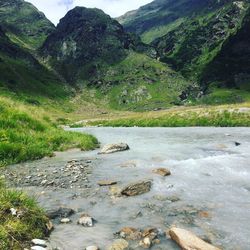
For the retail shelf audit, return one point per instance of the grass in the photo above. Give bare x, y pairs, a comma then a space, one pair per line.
17, 231
26, 136
219, 116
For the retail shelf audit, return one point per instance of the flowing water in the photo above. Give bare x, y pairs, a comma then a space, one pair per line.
210, 177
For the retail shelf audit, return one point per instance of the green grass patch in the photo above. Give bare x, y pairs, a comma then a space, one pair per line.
217, 118
24, 137
29, 223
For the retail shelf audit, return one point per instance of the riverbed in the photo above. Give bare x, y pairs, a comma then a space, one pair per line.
207, 193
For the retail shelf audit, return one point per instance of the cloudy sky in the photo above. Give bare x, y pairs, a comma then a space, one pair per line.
56, 9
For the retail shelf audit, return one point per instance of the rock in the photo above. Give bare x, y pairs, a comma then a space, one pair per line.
106, 183
162, 171
115, 191
189, 241
13, 211
92, 248
112, 148
65, 220
61, 212
86, 221
49, 226
130, 233
38, 248
145, 243
137, 188
237, 144
38, 242
119, 245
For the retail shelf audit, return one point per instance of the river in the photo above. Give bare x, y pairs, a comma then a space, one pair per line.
210, 183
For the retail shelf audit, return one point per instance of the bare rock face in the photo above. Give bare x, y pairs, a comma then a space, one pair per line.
137, 188
162, 171
189, 241
119, 245
112, 148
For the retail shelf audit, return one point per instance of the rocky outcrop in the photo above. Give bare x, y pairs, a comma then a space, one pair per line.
189, 241
112, 148
137, 188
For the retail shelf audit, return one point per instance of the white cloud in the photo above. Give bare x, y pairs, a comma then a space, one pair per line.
56, 9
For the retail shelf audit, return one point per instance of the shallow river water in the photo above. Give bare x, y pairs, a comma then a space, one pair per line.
210, 177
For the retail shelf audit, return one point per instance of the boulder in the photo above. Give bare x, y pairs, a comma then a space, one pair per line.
119, 245
189, 241
137, 188
86, 221
162, 171
112, 148
106, 183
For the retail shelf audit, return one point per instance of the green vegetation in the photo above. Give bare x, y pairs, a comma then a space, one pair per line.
25, 25
24, 136
183, 118
140, 83
29, 223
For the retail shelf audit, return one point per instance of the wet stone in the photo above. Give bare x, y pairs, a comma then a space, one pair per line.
137, 188
61, 212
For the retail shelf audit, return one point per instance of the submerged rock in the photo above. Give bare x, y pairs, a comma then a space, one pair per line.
106, 183
137, 188
86, 220
189, 241
61, 212
112, 148
162, 171
119, 245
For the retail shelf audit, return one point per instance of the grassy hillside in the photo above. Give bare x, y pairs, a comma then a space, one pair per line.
139, 83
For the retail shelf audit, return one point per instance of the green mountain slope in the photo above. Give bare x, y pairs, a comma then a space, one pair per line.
24, 24
21, 72
161, 16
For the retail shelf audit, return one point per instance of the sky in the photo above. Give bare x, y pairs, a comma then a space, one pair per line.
56, 9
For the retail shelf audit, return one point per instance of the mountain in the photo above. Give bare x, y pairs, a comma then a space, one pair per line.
192, 36
89, 48
231, 66
24, 24
21, 71
87, 40
161, 16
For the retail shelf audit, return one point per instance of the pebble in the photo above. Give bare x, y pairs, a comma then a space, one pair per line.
65, 220
92, 248
38, 242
